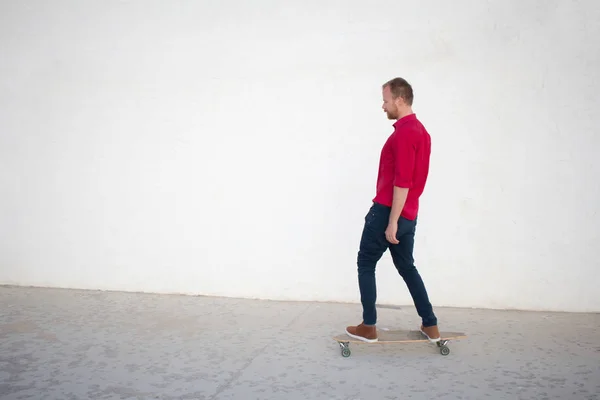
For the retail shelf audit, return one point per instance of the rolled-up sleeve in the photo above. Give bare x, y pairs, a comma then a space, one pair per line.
404, 152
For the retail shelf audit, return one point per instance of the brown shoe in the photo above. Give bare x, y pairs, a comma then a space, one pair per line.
363, 332
432, 333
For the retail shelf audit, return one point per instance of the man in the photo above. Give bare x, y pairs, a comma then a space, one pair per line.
391, 221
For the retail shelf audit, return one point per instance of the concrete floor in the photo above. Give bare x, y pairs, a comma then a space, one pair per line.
68, 344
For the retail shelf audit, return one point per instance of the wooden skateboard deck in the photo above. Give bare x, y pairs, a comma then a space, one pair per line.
400, 336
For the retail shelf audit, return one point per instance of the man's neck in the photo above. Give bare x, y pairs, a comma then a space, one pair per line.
405, 112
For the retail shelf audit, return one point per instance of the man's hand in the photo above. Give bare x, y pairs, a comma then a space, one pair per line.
390, 233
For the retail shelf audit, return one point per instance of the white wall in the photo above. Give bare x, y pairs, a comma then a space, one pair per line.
229, 148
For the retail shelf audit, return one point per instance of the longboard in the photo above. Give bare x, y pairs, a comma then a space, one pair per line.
400, 336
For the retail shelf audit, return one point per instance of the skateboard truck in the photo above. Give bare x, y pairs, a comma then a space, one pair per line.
444, 350
345, 349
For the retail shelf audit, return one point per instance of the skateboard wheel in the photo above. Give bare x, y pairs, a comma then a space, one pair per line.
444, 350
346, 352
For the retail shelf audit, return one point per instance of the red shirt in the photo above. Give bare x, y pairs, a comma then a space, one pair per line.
404, 163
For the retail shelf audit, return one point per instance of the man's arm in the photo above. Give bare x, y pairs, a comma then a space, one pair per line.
397, 206
400, 195
405, 152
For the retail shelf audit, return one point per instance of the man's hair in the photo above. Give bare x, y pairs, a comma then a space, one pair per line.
400, 88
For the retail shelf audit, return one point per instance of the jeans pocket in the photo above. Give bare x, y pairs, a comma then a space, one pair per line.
405, 226
371, 214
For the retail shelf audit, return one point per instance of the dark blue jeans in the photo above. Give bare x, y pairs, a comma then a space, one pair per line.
372, 246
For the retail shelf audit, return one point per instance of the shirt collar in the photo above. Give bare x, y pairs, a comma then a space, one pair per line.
403, 120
